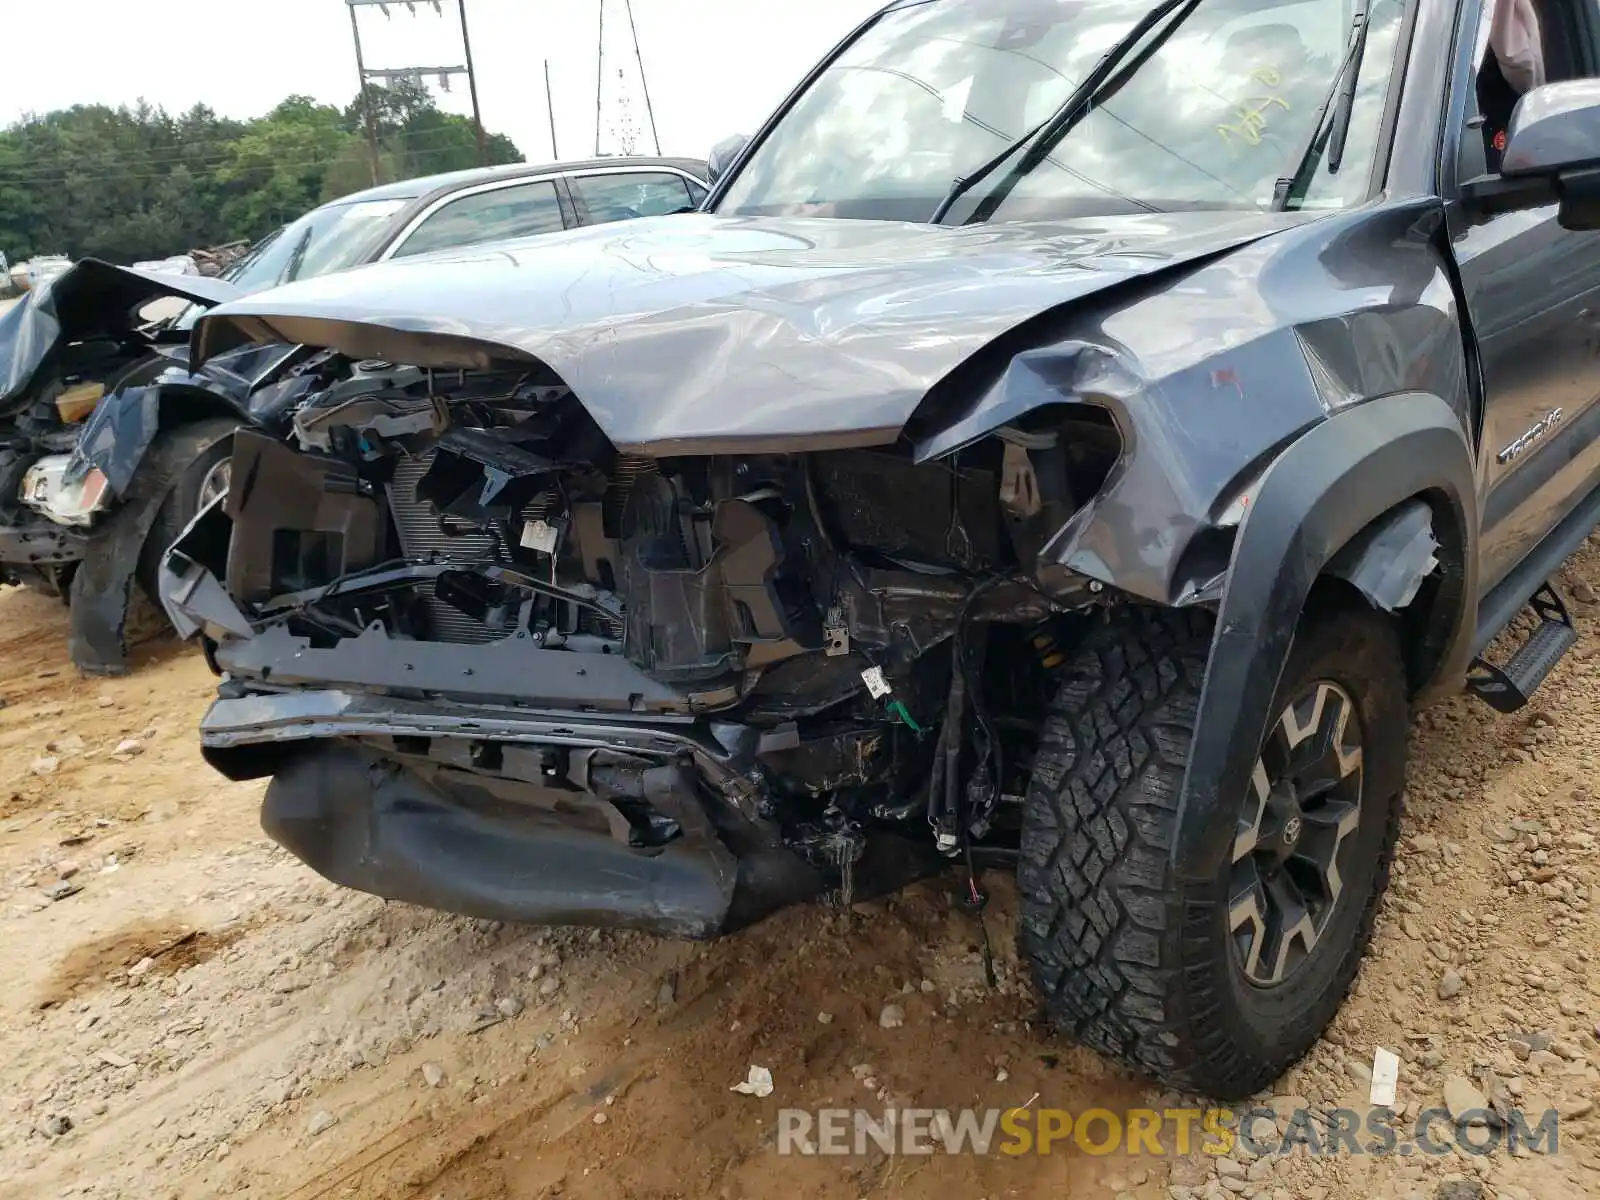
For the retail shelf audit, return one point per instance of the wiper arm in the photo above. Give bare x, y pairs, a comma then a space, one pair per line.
1341, 91
1042, 138
984, 169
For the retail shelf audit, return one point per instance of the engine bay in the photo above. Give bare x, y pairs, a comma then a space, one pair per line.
825, 619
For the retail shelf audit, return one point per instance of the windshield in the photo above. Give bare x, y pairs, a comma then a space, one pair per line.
325, 240
250, 257
1211, 119
328, 239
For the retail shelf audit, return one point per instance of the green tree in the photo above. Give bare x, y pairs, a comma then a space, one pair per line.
135, 182
275, 170
415, 137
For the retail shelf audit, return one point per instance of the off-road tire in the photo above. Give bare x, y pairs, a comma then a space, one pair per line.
193, 450
1130, 961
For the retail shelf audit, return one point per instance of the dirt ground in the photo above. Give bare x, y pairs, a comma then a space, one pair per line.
186, 1011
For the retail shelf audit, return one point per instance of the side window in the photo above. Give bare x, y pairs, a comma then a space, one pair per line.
1522, 44
507, 212
635, 194
697, 194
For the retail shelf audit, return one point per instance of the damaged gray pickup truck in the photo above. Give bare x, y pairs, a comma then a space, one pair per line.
1072, 437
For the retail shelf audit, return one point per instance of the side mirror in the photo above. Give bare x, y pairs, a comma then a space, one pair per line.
724, 153
1554, 129
1552, 155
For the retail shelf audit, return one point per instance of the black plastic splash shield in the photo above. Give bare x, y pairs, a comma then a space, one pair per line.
367, 823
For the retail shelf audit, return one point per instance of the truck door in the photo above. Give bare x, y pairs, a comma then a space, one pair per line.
1532, 292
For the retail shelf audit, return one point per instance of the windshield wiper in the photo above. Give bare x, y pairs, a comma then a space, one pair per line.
1342, 90
1097, 85
297, 259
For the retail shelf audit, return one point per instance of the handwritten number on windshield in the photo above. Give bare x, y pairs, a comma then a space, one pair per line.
1252, 113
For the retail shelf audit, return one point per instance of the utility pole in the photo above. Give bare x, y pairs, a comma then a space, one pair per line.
364, 98
386, 76
599, 76
550, 107
472, 85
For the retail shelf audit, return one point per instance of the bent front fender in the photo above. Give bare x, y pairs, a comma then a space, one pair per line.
116, 438
1321, 492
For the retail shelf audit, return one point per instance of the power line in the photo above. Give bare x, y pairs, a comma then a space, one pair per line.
40, 173
244, 171
143, 160
24, 130
277, 165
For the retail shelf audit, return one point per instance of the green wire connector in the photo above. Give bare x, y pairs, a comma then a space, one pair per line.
898, 708
879, 688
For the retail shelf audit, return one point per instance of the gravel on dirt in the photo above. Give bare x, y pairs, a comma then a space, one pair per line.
205, 1001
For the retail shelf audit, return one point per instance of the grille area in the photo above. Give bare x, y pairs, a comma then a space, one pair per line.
423, 536
625, 472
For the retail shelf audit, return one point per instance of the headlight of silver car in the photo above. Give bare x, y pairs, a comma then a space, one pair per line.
45, 490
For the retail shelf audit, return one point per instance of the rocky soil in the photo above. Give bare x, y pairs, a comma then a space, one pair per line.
188, 1012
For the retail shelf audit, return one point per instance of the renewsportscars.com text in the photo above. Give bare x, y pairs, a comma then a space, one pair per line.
1160, 1132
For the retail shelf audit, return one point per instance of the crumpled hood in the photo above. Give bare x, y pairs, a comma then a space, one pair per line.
91, 299
699, 333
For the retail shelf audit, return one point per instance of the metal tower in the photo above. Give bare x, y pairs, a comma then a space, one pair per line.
623, 121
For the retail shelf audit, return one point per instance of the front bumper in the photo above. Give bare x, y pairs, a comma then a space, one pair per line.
364, 824
29, 540
484, 845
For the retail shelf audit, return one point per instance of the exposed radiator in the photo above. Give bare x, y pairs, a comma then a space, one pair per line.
423, 536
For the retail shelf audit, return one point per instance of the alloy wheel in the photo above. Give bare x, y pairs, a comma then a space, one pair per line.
1286, 876
215, 483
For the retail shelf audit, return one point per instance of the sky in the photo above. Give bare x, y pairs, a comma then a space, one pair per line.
714, 67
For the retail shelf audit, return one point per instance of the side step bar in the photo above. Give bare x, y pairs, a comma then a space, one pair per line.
1508, 688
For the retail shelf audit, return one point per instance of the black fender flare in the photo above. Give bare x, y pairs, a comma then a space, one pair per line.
103, 585
1320, 493
116, 438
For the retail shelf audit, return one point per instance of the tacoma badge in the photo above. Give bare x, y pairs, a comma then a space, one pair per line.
1540, 427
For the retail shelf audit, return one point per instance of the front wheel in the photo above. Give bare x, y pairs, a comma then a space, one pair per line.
198, 460
1213, 987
